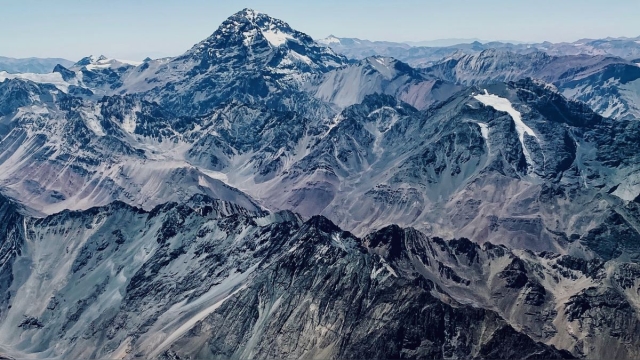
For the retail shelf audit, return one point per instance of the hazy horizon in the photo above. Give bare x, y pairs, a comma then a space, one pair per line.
73, 29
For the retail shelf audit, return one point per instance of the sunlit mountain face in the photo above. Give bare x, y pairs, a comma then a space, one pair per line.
266, 195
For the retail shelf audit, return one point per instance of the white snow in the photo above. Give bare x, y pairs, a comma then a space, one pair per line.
214, 174
104, 63
276, 37
302, 58
503, 104
129, 122
249, 36
50, 78
91, 119
484, 129
329, 40
614, 107
252, 14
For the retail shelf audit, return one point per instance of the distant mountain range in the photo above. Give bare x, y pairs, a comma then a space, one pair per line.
427, 53
264, 196
31, 65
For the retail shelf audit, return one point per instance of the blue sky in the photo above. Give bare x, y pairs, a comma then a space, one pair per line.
134, 29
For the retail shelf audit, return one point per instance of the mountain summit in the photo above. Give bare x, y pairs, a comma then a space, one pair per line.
250, 56
251, 36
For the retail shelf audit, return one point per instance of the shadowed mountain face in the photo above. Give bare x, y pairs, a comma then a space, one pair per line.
198, 206
210, 279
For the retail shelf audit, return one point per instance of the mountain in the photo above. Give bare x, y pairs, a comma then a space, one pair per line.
260, 58
422, 54
498, 167
91, 77
366, 144
261, 196
349, 85
443, 42
626, 48
102, 62
606, 83
62, 152
31, 65
556, 299
207, 278
360, 49
163, 283
609, 85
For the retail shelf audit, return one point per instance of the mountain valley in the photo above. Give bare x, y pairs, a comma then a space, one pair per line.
265, 195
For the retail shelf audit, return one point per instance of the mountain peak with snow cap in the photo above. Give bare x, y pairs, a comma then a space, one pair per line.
330, 40
88, 60
252, 38
250, 28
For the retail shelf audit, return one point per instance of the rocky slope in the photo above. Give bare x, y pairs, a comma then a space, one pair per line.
586, 306
518, 165
609, 85
113, 168
349, 85
210, 279
62, 152
422, 56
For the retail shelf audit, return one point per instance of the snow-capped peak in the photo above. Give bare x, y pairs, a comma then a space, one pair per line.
252, 23
330, 40
91, 59
102, 62
249, 13
255, 36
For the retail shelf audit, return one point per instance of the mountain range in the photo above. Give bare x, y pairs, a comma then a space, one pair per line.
422, 54
265, 196
31, 65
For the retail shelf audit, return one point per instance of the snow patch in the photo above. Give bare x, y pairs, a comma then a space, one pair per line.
276, 37
249, 36
302, 58
503, 104
129, 122
91, 119
484, 129
104, 63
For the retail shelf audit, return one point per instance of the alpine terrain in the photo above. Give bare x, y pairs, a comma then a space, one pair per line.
266, 195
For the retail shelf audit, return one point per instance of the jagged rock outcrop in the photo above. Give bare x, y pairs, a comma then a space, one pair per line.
180, 282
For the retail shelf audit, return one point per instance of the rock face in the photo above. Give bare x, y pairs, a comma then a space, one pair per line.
210, 279
198, 206
62, 152
573, 303
609, 85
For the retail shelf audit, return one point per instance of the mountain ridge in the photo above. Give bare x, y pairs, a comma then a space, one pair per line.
262, 196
